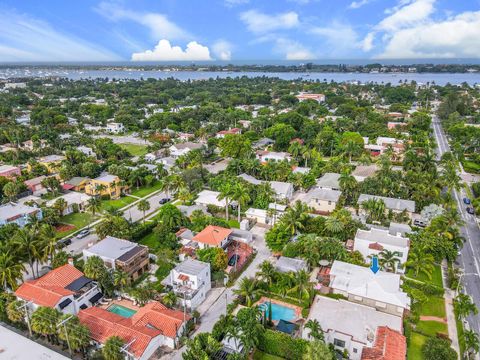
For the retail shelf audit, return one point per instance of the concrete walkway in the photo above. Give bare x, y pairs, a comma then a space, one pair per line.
451, 321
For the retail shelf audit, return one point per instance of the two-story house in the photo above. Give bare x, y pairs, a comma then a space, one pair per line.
19, 214
65, 288
322, 201
9, 171
120, 254
213, 236
190, 280
106, 185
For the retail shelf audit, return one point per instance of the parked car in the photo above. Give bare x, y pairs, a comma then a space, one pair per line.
83, 233
233, 260
470, 210
64, 242
419, 223
164, 201
467, 201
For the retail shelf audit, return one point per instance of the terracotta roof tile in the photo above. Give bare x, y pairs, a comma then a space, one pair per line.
375, 246
389, 345
212, 235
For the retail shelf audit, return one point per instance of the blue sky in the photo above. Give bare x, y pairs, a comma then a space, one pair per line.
195, 30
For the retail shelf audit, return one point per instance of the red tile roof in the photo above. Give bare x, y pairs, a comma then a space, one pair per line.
389, 345
50, 288
212, 235
375, 246
150, 321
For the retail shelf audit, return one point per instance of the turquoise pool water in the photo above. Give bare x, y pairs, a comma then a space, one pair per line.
279, 311
121, 310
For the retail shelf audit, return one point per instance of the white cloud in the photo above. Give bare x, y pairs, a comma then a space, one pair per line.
232, 3
222, 50
412, 13
164, 51
358, 4
367, 43
454, 37
292, 50
24, 38
339, 38
258, 22
159, 25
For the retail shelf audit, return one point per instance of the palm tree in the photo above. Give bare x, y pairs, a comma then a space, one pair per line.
303, 286
120, 279
10, 190
389, 260
94, 268
351, 148
184, 195
348, 184
295, 217
143, 205
226, 192
464, 306
74, 333
241, 196
334, 225
28, 243
472, 343
317, 350
11, 270
267, 273
247, 289
48, 240
60, 204
201, 347
315, 328
169, 299
375, 208
421, 262
93, 205
233, 333
113, 349
44, 321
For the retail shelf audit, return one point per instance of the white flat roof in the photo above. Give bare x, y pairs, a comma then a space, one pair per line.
111, 247
210, 197
382, 237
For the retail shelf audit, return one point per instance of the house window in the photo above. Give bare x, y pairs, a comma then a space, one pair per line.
355, 350
329, 203
339, 343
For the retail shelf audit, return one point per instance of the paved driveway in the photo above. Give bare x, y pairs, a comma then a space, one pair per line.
133, 214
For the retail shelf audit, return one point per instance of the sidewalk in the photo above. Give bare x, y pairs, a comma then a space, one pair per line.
451, 321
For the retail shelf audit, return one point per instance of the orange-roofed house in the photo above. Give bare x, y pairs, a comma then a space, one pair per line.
307, 96
223, 133
65, 289
213, 236
149, 328
389, 345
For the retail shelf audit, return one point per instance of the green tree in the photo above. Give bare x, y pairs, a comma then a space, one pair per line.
112, 350
472, 343
44, 322
28, 243
14, 312
251, 329
464, 306
216, 257
421, 262
73, 332
169, 299
241, 196
11, 270
10, 190
389, 260
143, 206
247, 290
120, 279
93, 205
438, 349
225, 193
201, 347
315, 328
94, 267
317, 350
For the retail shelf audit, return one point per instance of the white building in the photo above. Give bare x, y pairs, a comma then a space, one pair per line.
180, 149
115, 128
308, 96
72, 199
87, 151
190, 280
374, 241
208, 197
321, 200
359, 284
18, 213
283, 190
265, 156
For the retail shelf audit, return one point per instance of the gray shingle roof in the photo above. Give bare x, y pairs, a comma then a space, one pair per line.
390, 203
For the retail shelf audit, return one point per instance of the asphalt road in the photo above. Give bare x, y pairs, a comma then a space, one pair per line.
469, 257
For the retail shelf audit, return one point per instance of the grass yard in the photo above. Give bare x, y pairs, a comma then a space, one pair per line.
150, 240
260, 355
233, 223
144, 190
431, 328
435, 280
434, 306
134, 149
116, 204
79, 220
415, 343
471, 166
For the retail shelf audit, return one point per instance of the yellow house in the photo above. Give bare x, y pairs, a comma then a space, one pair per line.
107, 185
51, 162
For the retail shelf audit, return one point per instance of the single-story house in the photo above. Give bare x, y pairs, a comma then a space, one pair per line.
283, 190
363, 172
208, 197
72, 199
213, 236
19, 214
35, 185
329, 181
180, 149
321, 200
286, 264
9, 171
265, 156
77, 183
396, 205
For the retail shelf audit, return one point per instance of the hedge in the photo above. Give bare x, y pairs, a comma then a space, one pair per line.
280, 344
139, 231
427, 289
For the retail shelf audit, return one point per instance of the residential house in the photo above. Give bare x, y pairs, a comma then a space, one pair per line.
115, 128
260, 216
263, 143
167, 162
323, 201
245, 123
363, 172
7, 147
360, 285
35, 185
65, 288
190, 280
177, 150
286, 264
374, 241
300, 170
307, 96
265, 156
188, 210
396, 205
74, 201
396, 125
283, 190
119, 254
353, 327
213, 236
9, 171
389, 345
87, 151
30, 145
51, 162
208, 197
223, 133
105, 185
329, 181
77, 183
185, 136
19, 214
151, 327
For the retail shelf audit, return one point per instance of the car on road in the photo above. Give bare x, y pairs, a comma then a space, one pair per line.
419, 223
470, 210
164, 200
233, 260
467, 201
83, 233
63, 243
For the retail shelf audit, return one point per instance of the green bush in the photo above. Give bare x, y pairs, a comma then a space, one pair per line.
139, 231
427, 289
277, 343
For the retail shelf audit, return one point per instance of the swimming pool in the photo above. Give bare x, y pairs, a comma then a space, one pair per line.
121, 310
278, 311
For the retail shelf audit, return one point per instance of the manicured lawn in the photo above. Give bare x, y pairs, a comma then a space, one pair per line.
435, 280
260, 355
144, 191
434, 306
118, 203
414, 351
134, 149
79, 220
150, 240
234, 223
431, 328
471, 166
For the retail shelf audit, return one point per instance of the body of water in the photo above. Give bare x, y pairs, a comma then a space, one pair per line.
393, 78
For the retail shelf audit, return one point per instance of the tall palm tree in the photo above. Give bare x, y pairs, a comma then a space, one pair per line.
11, 270
143, 205
348, 184
334, 225
303, 286
44, 322
267, 273
295, 217
27, 243
10, 190
93, 205
14, 312
315, 328
94, 267
389, 260
169, 299
247, 289
241, 196
472, 343
421, 262
112, 350
76, 334
226, 192
120, 279
464, 306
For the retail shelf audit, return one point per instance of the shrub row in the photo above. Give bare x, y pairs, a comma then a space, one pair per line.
279, 344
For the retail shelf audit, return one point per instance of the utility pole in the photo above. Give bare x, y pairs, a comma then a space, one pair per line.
64, 322
27, 316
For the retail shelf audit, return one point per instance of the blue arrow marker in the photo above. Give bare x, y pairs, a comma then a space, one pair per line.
374, 266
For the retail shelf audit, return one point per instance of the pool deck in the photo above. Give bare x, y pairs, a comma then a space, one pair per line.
124, 302
297, 309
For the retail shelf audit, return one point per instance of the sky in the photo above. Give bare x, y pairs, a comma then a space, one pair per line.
229, 30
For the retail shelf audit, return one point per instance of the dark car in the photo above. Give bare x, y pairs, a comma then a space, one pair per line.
419, 223
164, 200
233, 260
64, 242
83, 233
470, 210
467, 201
